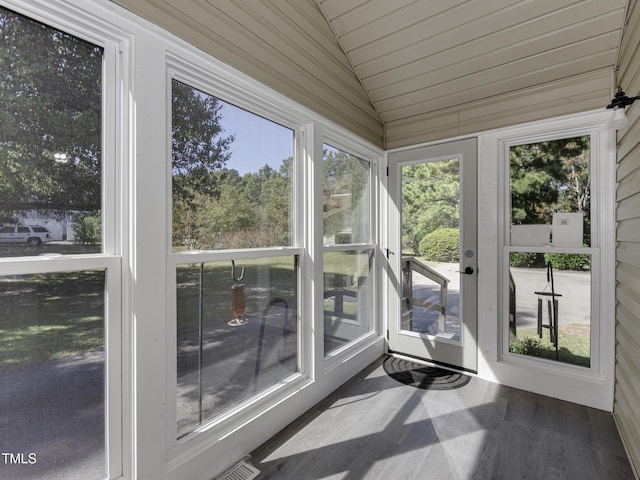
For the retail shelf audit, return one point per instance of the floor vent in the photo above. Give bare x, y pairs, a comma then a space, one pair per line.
240, 471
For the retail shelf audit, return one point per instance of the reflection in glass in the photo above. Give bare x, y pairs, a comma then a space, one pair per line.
346, 198
347, 297
550, 192
232, 175
431, 248
50, 147
52, 364
431, 298
532, 311
222, 362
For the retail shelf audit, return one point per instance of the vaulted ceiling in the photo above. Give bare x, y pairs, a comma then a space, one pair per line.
419, 56
402, 72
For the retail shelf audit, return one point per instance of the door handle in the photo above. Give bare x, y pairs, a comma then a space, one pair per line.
467, 271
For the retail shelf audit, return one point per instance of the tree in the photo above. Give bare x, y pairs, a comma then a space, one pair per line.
550, 176
199, 154
50, 102
345, 193
430, 200
246, 211
275, 205
197, 147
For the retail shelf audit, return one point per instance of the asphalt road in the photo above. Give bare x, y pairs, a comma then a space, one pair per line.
574, 306
55, 411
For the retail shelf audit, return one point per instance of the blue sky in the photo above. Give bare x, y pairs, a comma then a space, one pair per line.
257, 141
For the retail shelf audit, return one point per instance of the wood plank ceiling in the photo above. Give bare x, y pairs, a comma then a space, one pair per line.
417, 57
403, 72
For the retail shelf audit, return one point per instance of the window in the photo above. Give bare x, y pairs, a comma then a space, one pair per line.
222, 362
550, 262
232, 175
52, 372
348, 253
60, 325
50, 149
236, 263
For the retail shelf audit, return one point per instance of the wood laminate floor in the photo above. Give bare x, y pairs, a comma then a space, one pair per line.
376, 428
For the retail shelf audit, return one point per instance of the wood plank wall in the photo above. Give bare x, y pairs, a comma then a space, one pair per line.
576, 94
627, 390
284, 44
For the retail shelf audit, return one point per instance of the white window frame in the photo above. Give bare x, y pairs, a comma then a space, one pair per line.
596, 368
81, 23
338, 140
210, 81
588, 386
210, 78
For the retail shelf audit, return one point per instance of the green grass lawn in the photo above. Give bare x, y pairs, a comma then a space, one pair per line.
50, 316
264, 279
573, 344
62, 248
56, 315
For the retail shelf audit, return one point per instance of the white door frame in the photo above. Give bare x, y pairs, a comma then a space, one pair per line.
463, 353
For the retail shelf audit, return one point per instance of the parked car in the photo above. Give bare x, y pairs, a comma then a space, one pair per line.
32, 235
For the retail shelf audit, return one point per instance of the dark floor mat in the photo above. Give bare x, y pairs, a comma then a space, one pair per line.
422, 376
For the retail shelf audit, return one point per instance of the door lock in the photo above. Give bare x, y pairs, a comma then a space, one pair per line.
467, 271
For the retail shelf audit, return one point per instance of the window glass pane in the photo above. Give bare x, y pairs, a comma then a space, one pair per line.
347, 297
50, 145
52, 364
346, 198
550, 306
235, 338
550, 193
232, 175
431, 301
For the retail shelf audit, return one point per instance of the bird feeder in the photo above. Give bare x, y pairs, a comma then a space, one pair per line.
237, 298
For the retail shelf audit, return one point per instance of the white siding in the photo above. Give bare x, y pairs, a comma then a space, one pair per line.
627, 393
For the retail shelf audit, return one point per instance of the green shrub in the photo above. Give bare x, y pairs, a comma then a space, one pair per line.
87, 228
568, 261
442, 245
560, 261
527, 346
342, 238
525, 259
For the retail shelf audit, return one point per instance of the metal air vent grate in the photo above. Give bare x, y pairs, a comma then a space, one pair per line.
240, 471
